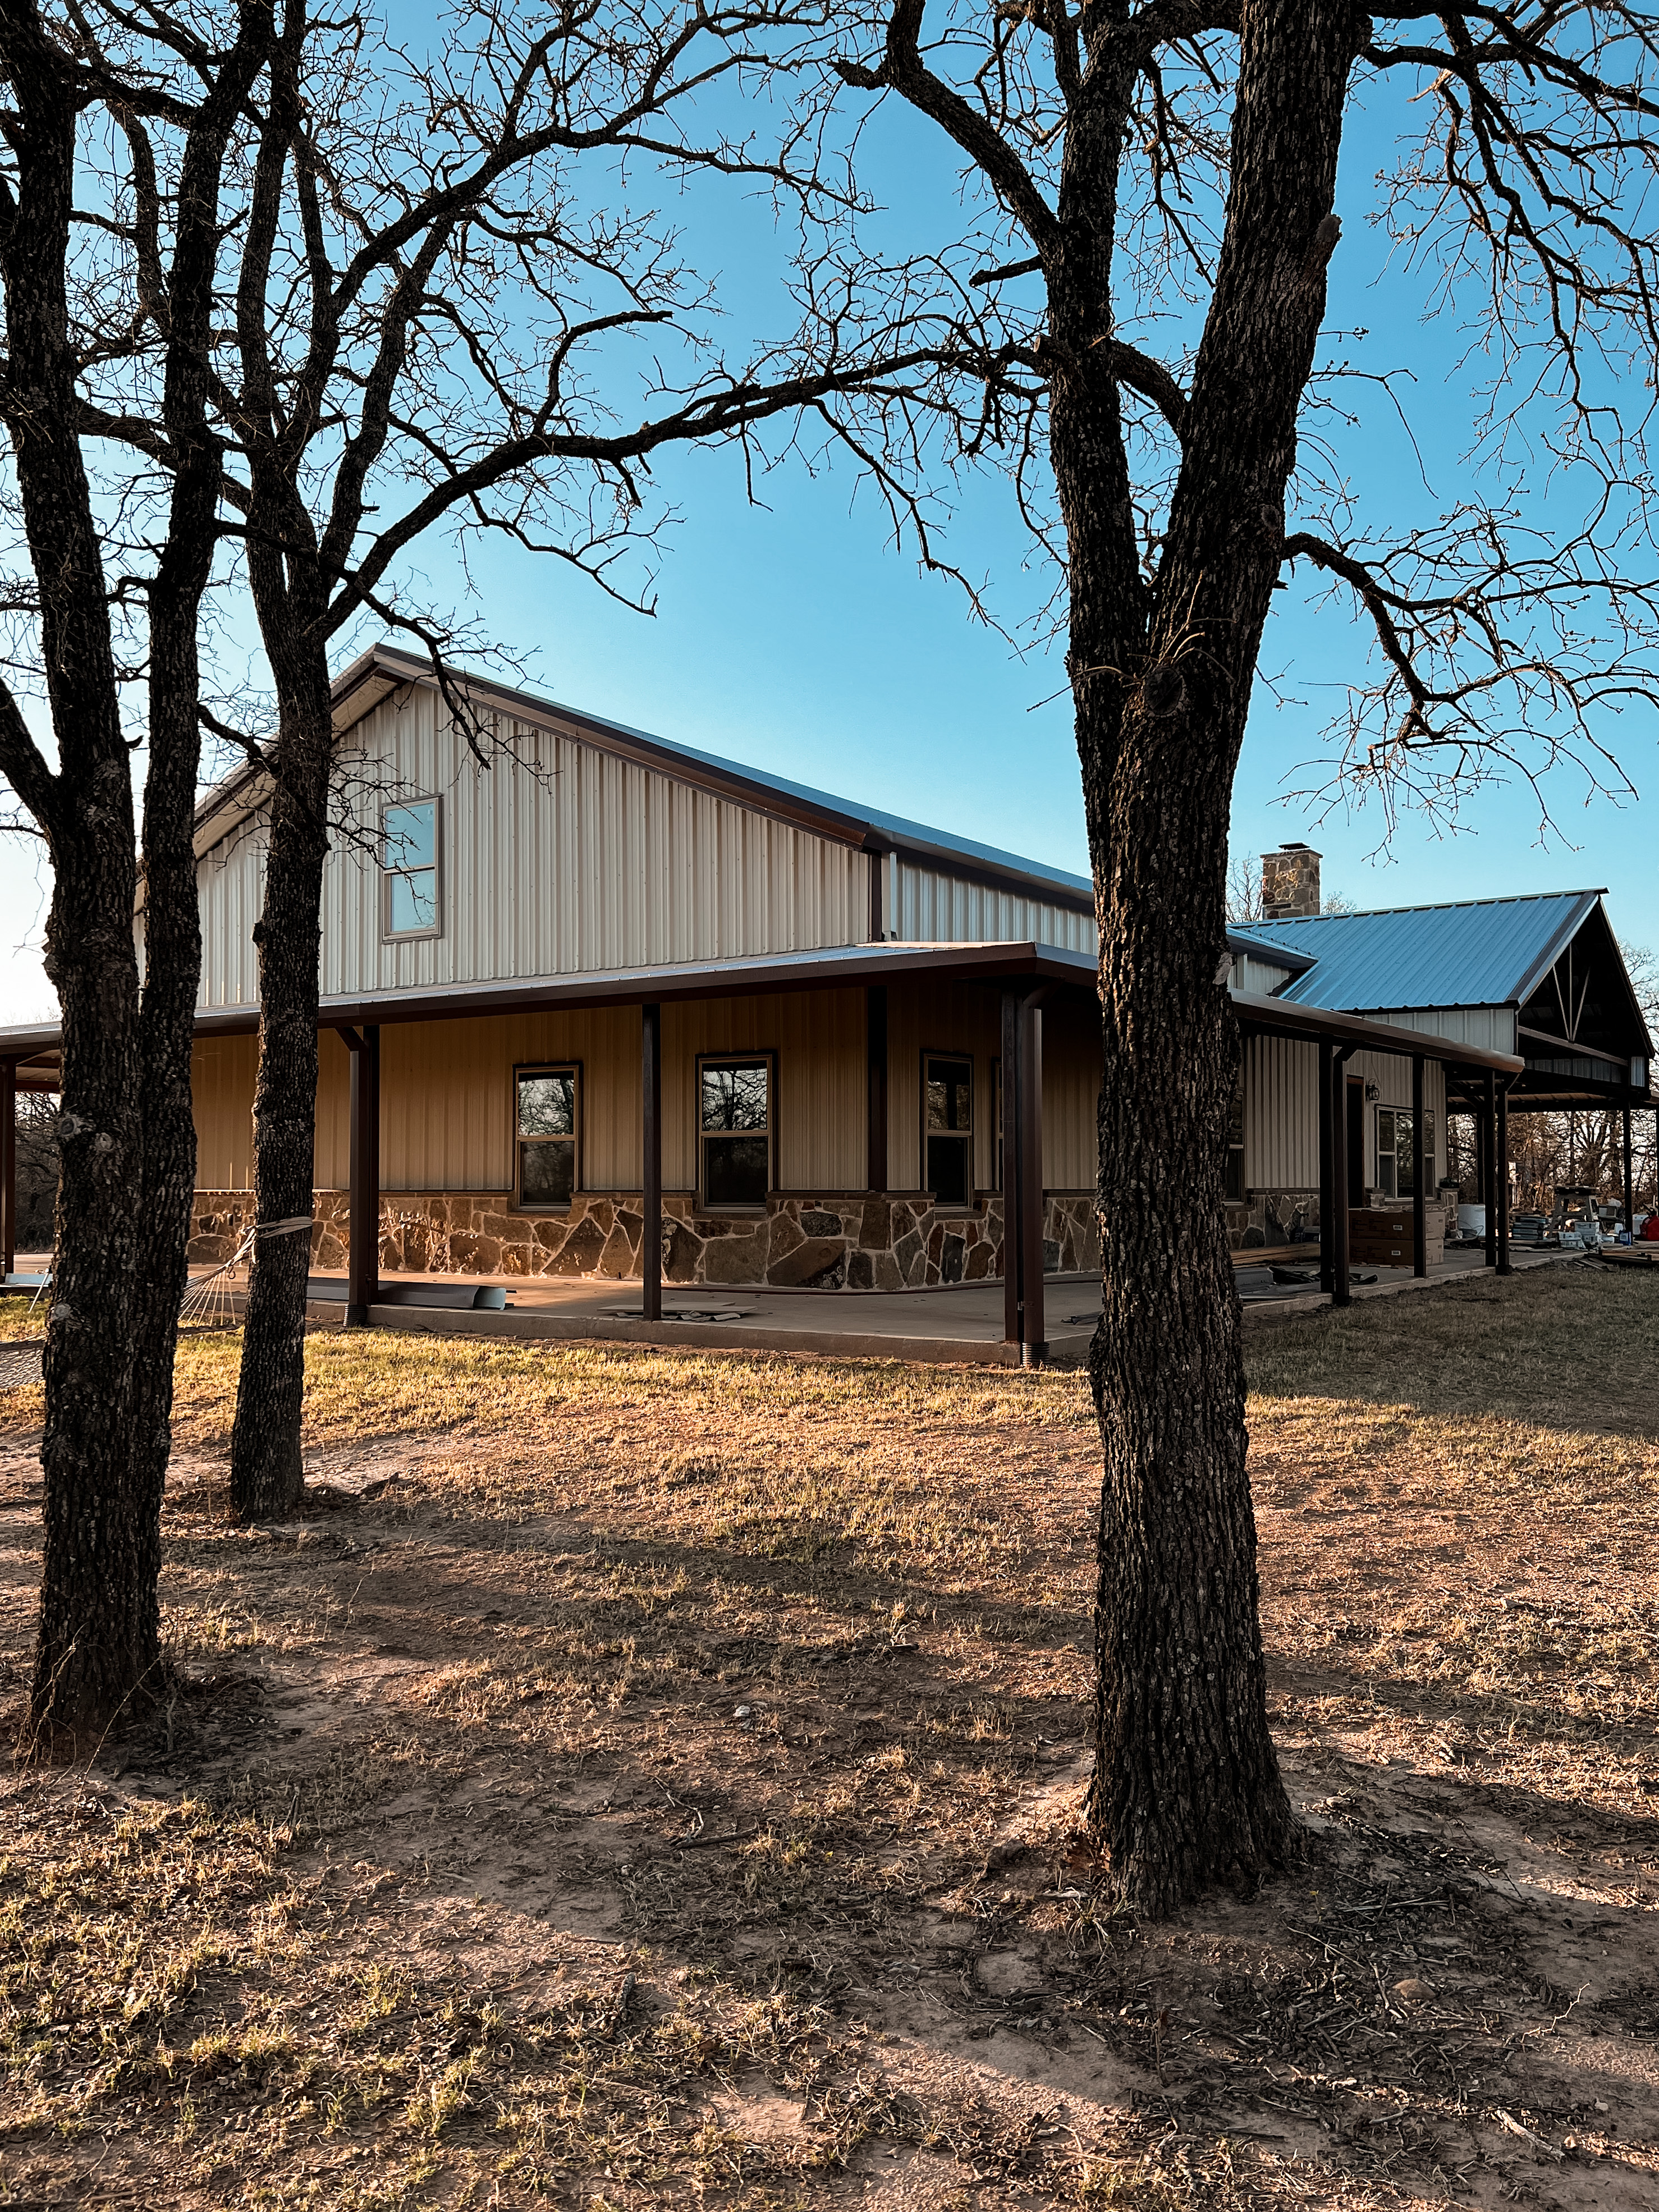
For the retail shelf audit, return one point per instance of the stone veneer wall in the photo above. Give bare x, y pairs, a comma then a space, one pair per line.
836, 1241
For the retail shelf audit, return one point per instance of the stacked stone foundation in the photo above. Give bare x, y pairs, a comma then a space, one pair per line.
833, 1241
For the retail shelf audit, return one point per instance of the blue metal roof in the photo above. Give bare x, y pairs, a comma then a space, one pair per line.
1480, 952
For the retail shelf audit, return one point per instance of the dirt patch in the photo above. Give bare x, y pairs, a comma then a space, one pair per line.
671, 1798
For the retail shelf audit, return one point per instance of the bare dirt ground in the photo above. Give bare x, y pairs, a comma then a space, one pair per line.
652, 1780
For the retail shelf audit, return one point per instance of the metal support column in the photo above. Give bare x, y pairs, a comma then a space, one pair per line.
1490, 1156
875, 1035
651, 1131
1419, 1196
1341, 1293
1013, 1305
1502, 1179
1326, 1185
9, 1166
1630, 1181
1033, 1334
363, 1261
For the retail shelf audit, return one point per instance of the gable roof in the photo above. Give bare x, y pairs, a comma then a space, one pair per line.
360, 687
1478, 952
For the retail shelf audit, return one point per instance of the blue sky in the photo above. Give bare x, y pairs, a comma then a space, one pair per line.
796, 638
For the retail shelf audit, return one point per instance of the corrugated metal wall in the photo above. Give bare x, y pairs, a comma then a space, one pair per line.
560, 860
966, 1017
1490, 1028
447, 1090
1281, 1108
924, 906
1256, 976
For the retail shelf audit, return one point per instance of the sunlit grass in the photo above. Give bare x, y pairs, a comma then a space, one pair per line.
20, 1317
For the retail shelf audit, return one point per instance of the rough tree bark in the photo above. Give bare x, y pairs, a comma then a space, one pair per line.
126, 1131
267, 1476
1187, 1783
98, 1634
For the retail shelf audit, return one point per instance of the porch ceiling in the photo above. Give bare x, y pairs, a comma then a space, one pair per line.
833, 967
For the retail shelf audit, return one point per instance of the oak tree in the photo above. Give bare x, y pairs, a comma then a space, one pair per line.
1137, 296
113, 143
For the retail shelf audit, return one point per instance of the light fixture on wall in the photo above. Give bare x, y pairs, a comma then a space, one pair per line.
1372, 1091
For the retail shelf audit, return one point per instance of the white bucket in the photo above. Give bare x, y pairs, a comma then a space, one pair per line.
1471, 1220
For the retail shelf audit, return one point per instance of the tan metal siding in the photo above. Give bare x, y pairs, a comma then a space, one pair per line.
1281, 1115
1256, 976
1490, 1028
819, 1039
929, 906
558, 859
966, 1017
1281, 1108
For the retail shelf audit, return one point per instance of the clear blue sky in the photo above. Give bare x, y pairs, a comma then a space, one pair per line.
795, 638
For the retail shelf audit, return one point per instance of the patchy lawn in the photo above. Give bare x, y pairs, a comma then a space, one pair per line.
650, 1779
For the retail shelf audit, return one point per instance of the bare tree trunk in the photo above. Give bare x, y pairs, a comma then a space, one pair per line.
1187, 1787
97, 1641
125, 1138
266, 1474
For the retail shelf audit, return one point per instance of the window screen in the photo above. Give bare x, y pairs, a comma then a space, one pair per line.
948, 1129
545, 1103
734, 1131
409, 862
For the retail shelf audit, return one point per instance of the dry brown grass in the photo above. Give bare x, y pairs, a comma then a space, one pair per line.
649, 1780
20, 1317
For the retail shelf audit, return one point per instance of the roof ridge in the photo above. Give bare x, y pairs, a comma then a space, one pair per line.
1428, 905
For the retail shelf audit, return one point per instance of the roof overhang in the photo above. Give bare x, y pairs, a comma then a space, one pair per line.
833, 968
1285, 1017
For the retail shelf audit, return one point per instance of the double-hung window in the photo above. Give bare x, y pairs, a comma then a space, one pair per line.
546, 1128
736, 1131
947, 1128
410, 867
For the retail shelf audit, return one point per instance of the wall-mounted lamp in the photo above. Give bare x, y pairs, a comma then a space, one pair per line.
1372, 1091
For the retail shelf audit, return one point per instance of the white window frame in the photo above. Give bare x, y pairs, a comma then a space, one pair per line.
390, 871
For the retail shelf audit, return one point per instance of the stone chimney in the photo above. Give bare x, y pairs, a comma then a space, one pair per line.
1289, 883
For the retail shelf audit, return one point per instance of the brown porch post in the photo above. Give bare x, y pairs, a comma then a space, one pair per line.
1479, 1121
1501, 1179
9, 1165
1630, 1181
1489, 1196
651, 1122
1341, 1290
363, 1260
1327, 1186
1013, 1245
1034, 1336
875, 1036
1419, 1196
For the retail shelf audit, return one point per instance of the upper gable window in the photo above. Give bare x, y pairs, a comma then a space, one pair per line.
410, 866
